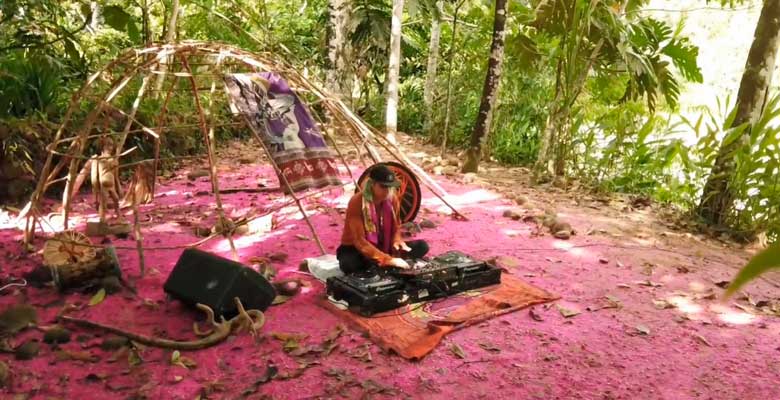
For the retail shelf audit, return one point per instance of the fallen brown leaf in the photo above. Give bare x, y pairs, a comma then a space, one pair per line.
534, 315
703, 340
489, 347
457, 351
662, 304
65, 355
567, 313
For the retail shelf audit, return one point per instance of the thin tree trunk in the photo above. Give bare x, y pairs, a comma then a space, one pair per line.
146, 23
170, 36
447, 111
718, 198
489, 90
543, 167
338, 78
94, 22
433, 64
564, 134
394, 66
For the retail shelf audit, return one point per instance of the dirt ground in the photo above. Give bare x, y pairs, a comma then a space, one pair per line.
640, 315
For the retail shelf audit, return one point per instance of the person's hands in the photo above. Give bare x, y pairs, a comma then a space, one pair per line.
401, 246
399, 263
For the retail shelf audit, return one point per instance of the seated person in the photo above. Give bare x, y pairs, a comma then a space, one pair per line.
372, 234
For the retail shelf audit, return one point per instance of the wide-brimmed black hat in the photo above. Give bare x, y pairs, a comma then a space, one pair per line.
383, 176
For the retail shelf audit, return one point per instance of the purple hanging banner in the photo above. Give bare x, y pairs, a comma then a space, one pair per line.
276, 113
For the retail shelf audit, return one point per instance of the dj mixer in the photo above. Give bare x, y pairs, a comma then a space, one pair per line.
378, 290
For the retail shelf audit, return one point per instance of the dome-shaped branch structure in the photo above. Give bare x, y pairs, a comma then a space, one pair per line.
206, 78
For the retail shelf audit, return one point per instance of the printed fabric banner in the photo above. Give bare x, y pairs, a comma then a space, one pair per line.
275, 113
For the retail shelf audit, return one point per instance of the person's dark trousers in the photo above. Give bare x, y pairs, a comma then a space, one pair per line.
351, 260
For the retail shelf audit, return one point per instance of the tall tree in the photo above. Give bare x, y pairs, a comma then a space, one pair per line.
170, 36
717, 198
393, 69
489, 90
338, 78
429, 91
170, 33
94, 24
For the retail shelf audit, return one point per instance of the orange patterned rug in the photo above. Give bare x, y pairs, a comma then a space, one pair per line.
414, 330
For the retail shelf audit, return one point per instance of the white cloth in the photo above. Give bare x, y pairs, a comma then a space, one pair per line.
323, 267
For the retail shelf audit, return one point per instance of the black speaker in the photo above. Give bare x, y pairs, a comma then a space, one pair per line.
201, 277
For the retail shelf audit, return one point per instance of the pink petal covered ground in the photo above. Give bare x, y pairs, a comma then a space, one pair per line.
636, 350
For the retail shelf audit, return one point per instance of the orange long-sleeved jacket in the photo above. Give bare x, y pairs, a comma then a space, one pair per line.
355, 234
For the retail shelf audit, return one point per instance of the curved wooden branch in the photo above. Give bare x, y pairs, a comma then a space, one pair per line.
252, 319
209, 319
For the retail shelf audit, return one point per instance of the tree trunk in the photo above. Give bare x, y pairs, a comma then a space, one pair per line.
564, 133
489, 90
338, 79
146, 23
433, 64
717, 197
394, 66
555, 141
452, 51
94, 22
544, 167
170, 36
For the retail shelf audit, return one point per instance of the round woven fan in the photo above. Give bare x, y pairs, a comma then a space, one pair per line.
68, 247
409, 192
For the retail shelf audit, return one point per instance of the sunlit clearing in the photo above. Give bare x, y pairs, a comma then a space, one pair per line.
241, 212
644, 242
297, 216
698, 286
166, 227
243, 242
570, 248
684, 304
511, 232
731, 316
168, 193
472, 197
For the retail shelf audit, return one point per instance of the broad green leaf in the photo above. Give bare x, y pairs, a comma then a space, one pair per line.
86, 11
70, 49
697, 127
759, 264
98, 297
184, 362
684, 56
116, 17
133, 33
733, 135
730, 118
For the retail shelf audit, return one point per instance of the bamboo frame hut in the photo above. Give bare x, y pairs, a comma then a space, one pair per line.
194, 70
